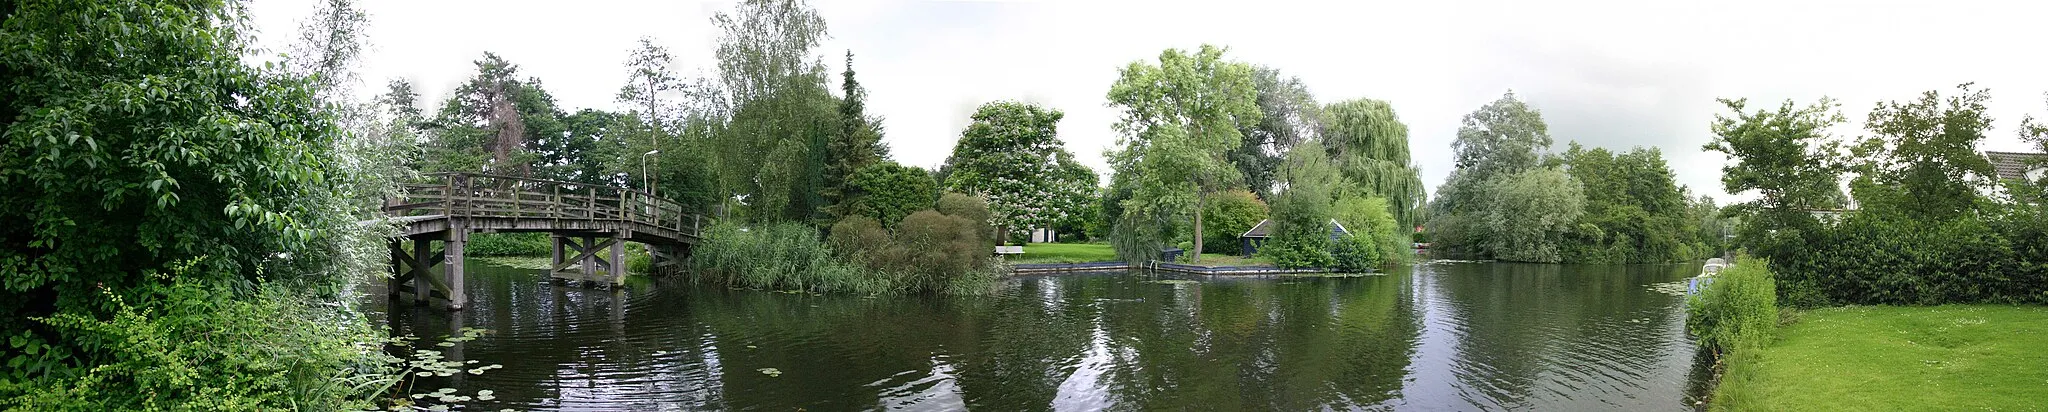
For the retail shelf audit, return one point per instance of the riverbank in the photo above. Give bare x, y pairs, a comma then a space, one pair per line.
1101, 253
1961, 357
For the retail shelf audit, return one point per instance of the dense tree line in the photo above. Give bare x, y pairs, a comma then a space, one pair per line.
1208, 147
1511, 199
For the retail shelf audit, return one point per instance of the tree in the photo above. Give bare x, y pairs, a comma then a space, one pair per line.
495, 123
1635, 211
1288, 114
1369, 222
857, 145
771, 151
1011, 153
1179, 121
1232, 213
888, 191
1785, 157
648, 77
2035, 132
1370, 146
1922, 161
1531, 212
157, 188
1501, 138
1302, 212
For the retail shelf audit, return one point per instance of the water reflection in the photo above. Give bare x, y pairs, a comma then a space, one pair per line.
1437, 337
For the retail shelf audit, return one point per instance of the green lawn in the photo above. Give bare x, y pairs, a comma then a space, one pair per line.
1098, 252
1065, 253
1944, 358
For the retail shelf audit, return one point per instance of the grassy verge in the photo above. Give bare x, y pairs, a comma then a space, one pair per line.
1978, 357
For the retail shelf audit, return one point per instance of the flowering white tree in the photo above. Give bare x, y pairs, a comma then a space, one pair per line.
1012, 155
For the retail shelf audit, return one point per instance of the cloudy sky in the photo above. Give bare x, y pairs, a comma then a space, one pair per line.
1610, 74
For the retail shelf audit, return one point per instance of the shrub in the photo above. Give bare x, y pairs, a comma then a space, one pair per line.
971, 207
1873, 259
1295, 253
1371, 222
1355, 254
1227, 215
859, 238
1738, 311
931, 249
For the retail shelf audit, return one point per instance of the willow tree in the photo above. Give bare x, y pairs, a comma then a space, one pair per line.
771, 151
1369, 144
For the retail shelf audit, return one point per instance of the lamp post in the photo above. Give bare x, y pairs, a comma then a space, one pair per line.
645, 180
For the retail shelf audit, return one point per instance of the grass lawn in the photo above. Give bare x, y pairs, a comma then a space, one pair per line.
1872, 358
1066, 253
1098, 252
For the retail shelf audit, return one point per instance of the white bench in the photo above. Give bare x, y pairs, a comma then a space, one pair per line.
1009, 250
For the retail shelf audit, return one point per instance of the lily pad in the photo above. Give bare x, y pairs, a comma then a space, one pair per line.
771, 372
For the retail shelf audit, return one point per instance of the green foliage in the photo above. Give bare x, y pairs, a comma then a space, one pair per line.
1635, 211
190, 346
1355, 254
1738, 311
973, 208
174, 215
1891, 358
1922, 161
1369, 144
1502, 138
1302, 213
1178, 124
1011, 155
1784, 156
1531, 212
858, 238
857, 145
1288, 114
498, 123
888, 191
1230, 214
780, 256
508, 244
931, 250
1375, 236
772, 148
1876, 259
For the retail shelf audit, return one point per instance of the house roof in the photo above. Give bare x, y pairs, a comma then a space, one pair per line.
2011, 165
1265, 229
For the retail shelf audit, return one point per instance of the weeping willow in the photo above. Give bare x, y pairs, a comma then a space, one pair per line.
1370, 146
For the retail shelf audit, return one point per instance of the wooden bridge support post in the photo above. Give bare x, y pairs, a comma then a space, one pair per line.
458, 237
422, 292
618, 263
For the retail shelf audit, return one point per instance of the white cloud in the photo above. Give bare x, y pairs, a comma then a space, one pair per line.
1606, 73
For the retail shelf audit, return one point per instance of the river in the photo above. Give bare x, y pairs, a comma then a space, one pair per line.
1446, 336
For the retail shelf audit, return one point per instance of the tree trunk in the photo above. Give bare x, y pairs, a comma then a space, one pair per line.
1197, 253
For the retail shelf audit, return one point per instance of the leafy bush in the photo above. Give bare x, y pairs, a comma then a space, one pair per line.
1294, 253
1371, 221
1355, 254
973, 208
509, 244
888, 191
1736, 312
199, 347
1227, 215
1874, 259
858, 238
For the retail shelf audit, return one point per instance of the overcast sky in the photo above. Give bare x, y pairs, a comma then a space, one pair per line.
1606, 74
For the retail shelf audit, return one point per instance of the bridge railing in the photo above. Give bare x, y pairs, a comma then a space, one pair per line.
497, 196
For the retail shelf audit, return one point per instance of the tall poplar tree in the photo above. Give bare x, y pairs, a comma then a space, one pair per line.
1179, 122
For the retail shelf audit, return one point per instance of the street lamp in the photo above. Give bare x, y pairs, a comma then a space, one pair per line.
644, 177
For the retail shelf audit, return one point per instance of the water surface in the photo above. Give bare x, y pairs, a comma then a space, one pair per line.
1463, 336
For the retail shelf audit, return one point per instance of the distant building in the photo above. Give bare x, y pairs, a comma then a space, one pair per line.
1256, 238
2018, 166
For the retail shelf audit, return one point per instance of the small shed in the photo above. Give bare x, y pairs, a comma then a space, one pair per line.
1253, 239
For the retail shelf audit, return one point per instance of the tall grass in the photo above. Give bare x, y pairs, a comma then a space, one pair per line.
780, 256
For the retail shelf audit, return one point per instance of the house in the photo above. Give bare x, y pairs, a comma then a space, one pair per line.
1253, 239
2018, 166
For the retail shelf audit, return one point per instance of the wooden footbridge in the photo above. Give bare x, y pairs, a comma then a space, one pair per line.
589, 225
